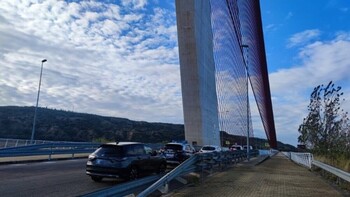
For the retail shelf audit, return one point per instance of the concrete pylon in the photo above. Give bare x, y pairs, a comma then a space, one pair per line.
197, 69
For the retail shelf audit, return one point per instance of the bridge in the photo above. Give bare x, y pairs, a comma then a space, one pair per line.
216, 72
37, 170
221, 50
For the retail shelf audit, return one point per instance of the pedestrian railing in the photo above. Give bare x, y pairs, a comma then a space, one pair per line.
306, 159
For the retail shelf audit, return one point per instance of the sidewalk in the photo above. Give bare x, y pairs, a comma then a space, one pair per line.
276, 176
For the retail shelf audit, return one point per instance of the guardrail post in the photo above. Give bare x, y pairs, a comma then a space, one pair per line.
71, 148
50, 152
310, 160
164, 189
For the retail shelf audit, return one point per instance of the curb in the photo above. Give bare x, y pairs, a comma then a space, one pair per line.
263, 159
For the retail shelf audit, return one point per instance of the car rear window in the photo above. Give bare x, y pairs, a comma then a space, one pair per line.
133, 150
208, 148
110, 151
173, 147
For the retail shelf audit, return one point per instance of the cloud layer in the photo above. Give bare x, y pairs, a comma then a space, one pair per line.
122, 60
302, 38
320, 62
115, 60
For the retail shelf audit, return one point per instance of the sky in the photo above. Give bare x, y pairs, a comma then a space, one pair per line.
120, 58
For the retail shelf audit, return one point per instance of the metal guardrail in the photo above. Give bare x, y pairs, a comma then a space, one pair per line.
49, 149
306, 159
183, 168
339, 173
7, 142
124, 188
196, 163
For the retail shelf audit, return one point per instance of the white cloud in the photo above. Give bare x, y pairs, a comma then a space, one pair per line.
321, 62
303, 37
102, 58
136, 4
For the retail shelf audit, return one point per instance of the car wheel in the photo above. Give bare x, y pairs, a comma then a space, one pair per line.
162, 168
133, 173
96, 178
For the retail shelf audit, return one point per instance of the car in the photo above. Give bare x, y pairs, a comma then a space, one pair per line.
210, 149
125, 160
236, 147
245, 147
177, 152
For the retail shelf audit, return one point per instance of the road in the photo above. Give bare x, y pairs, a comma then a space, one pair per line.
52, 178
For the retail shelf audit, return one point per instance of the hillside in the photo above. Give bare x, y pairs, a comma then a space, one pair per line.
58, 125
17, 122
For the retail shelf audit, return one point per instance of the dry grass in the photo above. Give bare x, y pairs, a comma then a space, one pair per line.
341, 162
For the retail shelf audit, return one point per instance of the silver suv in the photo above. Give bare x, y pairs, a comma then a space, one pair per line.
124, 159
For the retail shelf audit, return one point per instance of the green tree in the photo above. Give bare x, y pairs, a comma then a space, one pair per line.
326, 127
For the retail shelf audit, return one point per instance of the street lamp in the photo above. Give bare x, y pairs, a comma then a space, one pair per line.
37, 101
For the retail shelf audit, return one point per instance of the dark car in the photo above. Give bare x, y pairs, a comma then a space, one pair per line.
176, 153
125, 160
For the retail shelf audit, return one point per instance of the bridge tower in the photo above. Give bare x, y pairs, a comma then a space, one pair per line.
197, 70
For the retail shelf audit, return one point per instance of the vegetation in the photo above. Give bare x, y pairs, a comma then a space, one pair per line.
60, 125
325, 130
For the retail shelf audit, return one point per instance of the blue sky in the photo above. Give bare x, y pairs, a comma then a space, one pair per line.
307, 44
120, 58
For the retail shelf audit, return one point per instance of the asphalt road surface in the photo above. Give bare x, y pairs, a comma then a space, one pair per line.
52, 178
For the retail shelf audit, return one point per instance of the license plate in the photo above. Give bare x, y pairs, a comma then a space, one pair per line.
169, 155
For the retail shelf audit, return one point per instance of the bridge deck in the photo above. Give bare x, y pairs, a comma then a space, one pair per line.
275, 177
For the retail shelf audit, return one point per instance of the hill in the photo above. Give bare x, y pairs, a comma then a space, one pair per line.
59, 125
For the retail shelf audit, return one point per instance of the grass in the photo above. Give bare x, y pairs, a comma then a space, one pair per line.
341, 162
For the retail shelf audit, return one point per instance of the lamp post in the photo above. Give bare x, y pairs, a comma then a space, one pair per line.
37, 101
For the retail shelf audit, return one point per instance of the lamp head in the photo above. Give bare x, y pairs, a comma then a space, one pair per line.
44, 60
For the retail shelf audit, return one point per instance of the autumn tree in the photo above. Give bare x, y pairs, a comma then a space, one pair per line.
325, 130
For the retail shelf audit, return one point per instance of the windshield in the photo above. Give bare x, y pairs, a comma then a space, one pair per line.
109, 151
173, 147
208, 148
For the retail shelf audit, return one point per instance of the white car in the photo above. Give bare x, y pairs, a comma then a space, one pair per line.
236, 147
210, 149
245, 147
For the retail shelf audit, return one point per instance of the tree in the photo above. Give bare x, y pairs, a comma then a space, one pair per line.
326, 128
